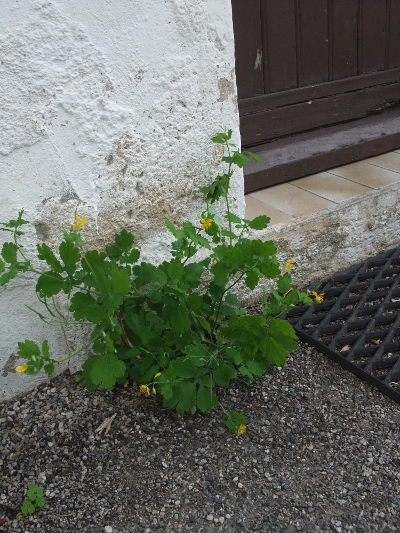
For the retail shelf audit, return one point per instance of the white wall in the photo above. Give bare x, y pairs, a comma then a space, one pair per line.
107, 106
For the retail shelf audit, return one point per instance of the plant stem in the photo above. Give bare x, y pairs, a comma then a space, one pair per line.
78, 351
124, 335
222, 297
226, 196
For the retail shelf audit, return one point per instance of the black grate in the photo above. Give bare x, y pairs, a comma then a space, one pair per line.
358, 323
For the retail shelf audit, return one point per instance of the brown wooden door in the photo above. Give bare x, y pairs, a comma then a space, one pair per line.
302, 65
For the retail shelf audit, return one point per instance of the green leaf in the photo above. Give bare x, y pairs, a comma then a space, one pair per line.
45, 350
259, 223
8, 276
194, 301
171, 227
198, 353
232, 300
284, 283
28, 349
175, 312
2, 266
235, 355
166, 391
186, 393
239, 159
113, 252
223, 373
244, 328
49, 369
252, 279
255, 157
281, 328
145, 273
40, 501
275, 351
206, 399
244, 371
222, 137
86, 372
255, 368
15, 223
233, 218
133, 257
193, 273
93, 259
9, 253
234, 420
45, 254
175, 269
49, 284
205, 324
27, 507
124, 240
221, 274
33, 491
85, 306
203, 242
184, 367
120, 280
70, 255
106, 370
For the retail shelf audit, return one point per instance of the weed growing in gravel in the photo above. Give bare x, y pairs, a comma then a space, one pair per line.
33, 500
177, 328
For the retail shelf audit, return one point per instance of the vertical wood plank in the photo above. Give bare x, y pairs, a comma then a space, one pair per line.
373, 35
313, 41
344, 38
248, 47
279, 44
394, 34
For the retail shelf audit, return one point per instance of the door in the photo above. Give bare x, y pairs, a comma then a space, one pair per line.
304, 65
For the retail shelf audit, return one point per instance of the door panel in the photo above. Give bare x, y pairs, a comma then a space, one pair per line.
279, 43
343, 39
312, 42
394, 34
249, 49
321, 62
372, 34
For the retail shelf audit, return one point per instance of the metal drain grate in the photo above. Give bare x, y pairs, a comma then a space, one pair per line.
358, 323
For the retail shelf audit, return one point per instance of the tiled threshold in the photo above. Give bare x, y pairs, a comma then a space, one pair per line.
298, 198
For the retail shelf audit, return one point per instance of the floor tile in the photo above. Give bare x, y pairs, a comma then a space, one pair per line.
291, 200
369, 175
255, 208
389, 161
331, 187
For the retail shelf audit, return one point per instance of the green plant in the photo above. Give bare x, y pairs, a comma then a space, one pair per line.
176, 328
33, 500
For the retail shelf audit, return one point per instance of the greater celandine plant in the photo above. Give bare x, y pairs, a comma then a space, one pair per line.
177, 328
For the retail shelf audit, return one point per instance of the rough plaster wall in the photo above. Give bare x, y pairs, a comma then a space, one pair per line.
108, 107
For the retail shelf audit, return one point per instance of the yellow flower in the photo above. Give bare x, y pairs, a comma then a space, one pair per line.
206, 223
154, 390
318, 297
144, 389
289, 264
157, 375
79, 223
21, 368
214, 262
242, 429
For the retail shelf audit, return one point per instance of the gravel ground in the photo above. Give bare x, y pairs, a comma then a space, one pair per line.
321, 453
